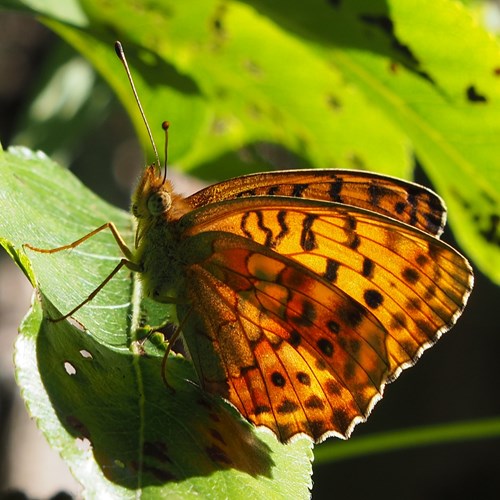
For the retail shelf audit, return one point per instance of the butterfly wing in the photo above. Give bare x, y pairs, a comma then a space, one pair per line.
405, 201
307, 308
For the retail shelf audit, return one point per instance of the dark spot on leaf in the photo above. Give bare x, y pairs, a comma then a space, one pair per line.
333, 102
491, 233
78, 426
156, 450
473, 95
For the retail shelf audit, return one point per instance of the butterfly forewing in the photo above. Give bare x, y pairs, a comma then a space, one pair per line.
404, 201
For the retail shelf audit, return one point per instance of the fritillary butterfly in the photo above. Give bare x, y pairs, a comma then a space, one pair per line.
301, 294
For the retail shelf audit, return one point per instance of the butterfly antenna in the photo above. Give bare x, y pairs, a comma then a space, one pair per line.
165, 126
121, 55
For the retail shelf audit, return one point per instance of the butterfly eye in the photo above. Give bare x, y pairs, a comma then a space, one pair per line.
159, 203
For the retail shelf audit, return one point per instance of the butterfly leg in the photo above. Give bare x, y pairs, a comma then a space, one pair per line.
171, 342
123, 262
109, 225
127, 262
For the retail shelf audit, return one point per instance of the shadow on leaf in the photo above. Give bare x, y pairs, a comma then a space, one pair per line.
142, 433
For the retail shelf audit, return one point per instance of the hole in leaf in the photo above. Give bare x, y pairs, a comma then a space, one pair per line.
70, 369
76, 324
83, 444
86, 354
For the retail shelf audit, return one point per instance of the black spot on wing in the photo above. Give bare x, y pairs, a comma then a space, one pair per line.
277, 379
368, 267
243, 225
314, 402
354, 241
376, 193
410, 275
332, 267
325, 346
307, 315
333, 326
295, 338
284, 229
287, 406
307, 236
298, 190
262, 409
351, 315
373, 298
335, 190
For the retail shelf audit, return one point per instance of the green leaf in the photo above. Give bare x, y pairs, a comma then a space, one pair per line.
353, 84
96, 395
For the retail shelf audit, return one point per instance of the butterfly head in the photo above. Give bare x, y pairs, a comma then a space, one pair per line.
154, 204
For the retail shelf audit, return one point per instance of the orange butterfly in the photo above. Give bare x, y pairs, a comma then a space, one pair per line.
300, 293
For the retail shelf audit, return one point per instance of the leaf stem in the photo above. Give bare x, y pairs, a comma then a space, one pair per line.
410, 438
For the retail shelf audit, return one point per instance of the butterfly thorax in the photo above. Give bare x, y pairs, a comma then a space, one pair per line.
157, 210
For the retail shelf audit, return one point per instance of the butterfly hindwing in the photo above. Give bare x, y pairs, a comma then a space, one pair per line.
293, 353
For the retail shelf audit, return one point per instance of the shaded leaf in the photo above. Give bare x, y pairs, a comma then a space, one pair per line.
97, 396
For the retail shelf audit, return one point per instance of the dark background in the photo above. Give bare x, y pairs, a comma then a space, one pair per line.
457, 380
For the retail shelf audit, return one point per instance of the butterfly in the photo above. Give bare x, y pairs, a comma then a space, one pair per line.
300, 294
